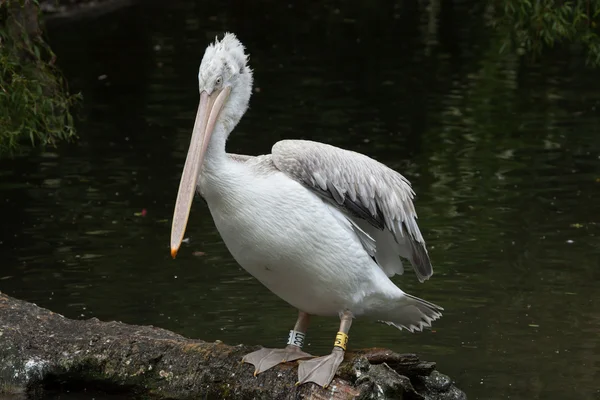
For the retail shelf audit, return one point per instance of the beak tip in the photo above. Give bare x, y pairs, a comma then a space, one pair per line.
174, 252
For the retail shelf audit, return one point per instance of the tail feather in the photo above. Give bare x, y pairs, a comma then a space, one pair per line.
412, 313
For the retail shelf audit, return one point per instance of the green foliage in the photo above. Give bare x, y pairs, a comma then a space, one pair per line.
34, 101
534, 24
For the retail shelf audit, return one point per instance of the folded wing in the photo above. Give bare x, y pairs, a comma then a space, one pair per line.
376, 198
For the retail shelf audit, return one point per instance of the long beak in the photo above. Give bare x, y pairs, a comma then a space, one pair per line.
208, 112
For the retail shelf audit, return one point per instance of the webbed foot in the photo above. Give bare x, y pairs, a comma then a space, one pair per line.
265, 359
320, 370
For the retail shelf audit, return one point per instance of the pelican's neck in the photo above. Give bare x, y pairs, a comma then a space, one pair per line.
216, 156
215, 159
218, 174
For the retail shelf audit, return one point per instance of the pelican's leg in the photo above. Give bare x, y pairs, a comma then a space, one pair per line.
321, 370
264, 359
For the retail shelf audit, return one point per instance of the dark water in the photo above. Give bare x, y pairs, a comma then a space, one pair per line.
504, 157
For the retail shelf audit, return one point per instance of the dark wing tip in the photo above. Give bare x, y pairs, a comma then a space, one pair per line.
420, 260
419, 257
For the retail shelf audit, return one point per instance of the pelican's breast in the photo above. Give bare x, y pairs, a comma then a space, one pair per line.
287, 237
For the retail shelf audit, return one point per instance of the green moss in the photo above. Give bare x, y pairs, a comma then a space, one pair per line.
225, 390
35, 105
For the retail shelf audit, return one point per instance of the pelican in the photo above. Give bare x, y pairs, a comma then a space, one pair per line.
321, 227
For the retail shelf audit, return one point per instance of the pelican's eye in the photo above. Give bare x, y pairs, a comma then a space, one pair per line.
219, 81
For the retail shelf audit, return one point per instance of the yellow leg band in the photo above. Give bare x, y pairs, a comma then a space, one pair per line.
341, 340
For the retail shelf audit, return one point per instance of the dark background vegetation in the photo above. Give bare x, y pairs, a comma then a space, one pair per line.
35, 101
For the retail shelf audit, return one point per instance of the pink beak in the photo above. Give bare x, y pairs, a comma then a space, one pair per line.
208, 112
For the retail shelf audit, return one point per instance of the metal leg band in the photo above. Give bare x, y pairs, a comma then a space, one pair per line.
341, 340
296, 338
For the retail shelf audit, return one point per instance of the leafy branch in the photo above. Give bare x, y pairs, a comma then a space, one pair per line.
536, 24
34, 100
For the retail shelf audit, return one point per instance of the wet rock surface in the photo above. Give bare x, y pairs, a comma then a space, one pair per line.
40, 349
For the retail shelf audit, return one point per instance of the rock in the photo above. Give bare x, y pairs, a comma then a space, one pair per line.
40, 349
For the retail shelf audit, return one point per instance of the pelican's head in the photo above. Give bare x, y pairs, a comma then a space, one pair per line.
225, 83
225, 76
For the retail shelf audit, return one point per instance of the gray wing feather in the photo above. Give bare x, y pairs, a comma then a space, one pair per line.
364, 189
240, 157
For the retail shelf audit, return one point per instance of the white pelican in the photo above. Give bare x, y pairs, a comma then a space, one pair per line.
321, 227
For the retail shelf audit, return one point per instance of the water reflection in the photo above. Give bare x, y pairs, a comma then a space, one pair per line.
503, 157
